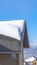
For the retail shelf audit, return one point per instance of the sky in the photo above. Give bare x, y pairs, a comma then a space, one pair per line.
21, 9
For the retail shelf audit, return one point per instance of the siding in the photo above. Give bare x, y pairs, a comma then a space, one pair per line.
5, 59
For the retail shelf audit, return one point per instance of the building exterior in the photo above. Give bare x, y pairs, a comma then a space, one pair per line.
11, 49
31, 61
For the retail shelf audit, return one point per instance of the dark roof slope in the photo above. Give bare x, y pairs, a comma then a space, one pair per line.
26, 40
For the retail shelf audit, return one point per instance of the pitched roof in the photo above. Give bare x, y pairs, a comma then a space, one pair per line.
13, 29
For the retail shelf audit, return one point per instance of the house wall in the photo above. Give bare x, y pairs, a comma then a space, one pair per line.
14, 45
5, 59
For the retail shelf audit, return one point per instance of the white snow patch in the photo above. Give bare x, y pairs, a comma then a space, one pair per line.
30, 59
11, 28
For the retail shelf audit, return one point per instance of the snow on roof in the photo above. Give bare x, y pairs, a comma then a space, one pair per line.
30, 59
12, 28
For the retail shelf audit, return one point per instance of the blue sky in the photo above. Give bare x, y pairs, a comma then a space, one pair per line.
21, 9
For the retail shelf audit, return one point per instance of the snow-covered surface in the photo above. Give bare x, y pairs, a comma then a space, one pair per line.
12, 28
30, 59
